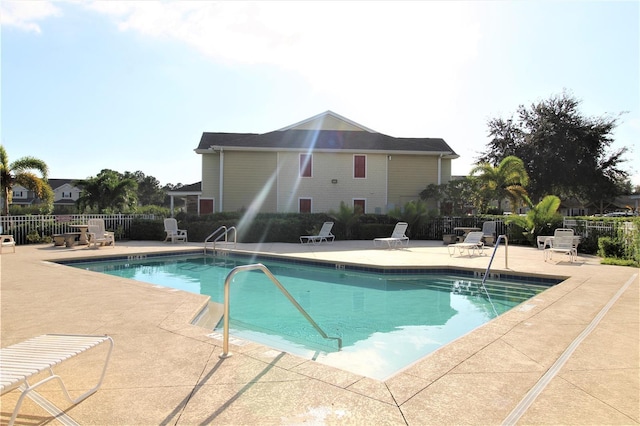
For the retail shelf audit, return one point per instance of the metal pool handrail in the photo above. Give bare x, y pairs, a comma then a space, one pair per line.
224, 234
506, 265
267, 272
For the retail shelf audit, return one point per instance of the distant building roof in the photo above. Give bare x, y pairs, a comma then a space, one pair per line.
191, 189
57, 183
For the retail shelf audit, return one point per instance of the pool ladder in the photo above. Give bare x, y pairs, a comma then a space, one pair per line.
506, 266
221, 232
259, 266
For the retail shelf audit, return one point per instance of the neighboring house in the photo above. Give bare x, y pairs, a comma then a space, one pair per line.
313, 165
65, 193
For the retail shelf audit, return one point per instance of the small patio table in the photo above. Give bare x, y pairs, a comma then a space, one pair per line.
465, 231
82, 239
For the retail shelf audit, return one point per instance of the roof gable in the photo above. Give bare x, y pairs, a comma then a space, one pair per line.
327, 120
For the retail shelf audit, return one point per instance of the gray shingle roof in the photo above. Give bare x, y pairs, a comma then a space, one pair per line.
324, 140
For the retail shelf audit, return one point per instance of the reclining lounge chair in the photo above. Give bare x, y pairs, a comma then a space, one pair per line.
472, 243
22, 361
324, 235
397, 237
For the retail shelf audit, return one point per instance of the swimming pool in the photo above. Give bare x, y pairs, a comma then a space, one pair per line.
380, 320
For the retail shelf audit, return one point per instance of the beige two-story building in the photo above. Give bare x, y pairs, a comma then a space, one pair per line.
314, 165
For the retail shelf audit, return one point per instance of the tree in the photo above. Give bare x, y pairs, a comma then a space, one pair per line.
454, 197
108, 192
507, 180
21, 172
564, 153
414, 213
149, 191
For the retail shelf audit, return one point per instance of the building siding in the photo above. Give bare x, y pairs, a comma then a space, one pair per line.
210, 176
409, 175
248, 179
325, 194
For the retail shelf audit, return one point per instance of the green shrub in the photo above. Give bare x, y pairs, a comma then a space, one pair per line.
147, 230
34, 238
610, 247
618, 262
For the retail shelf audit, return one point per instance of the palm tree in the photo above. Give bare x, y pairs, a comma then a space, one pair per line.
507, 180
415, 213
539, 217
21, 172
347, 217
110, 191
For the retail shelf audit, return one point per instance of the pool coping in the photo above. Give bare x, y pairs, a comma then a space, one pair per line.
543, 279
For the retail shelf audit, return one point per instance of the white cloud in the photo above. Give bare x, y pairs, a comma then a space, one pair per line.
25, 14
372, 56
370, 52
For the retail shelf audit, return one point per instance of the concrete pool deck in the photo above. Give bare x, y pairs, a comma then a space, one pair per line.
577, 344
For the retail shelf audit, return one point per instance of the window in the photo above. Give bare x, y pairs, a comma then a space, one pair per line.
304, 205
359, 166
359, 205
306, 161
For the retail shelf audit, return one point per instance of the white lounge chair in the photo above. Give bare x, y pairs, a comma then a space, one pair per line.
397, 238
324, 235
173, 233
98, 234
22, 361
563, 241
472, 243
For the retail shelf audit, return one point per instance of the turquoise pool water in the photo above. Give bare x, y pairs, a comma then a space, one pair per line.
385, 320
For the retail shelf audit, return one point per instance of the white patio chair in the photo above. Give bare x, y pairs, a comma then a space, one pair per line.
324, 235
472, 243
173, 233
397, 238
563, 241
98, 235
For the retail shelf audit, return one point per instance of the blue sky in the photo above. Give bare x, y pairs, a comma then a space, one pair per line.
131, 85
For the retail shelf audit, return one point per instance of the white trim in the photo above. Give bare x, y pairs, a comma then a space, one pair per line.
221, 189
444, 154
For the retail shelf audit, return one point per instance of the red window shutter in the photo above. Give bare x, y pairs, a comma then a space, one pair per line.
206, 206
305, 165
359, 166
305, 205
